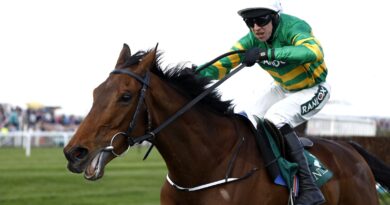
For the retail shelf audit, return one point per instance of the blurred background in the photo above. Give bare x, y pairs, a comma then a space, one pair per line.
54, 53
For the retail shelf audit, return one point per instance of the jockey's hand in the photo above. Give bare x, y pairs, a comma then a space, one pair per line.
193, 67
190, 69
252, 55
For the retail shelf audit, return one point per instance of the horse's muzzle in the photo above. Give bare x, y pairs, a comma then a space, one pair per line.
77, 158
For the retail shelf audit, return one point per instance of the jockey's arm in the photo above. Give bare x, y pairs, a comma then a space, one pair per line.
222, 67
304, 47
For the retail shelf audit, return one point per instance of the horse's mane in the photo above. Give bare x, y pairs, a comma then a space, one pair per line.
187, 82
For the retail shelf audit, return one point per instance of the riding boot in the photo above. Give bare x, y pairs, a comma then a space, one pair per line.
309, 193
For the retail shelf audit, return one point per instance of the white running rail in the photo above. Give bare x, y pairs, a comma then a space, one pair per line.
27, 139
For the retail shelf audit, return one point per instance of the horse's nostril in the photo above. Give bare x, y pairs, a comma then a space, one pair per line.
77, 154
80, 153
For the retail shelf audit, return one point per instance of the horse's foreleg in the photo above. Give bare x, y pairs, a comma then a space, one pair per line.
166, 197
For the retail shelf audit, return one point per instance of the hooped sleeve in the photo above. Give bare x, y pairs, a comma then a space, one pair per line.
304, 46
222, 67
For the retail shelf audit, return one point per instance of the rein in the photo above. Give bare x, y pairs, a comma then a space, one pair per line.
150, 135
190, 104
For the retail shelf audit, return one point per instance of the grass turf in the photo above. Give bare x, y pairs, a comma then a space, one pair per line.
44, 179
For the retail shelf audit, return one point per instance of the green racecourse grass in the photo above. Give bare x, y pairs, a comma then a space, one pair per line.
43, 179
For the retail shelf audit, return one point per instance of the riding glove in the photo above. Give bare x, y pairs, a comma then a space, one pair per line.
252, 55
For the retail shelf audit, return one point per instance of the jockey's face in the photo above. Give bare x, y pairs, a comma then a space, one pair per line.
263, 33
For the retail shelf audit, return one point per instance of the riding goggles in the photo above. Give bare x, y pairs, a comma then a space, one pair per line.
259, 21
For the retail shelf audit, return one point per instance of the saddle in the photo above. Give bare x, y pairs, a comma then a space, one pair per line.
279, 139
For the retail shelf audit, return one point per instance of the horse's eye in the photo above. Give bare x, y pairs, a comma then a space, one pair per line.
126, 97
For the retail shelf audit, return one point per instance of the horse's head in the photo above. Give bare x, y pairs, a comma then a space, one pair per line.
105, 129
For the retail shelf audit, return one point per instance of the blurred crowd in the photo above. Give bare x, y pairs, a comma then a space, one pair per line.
14, 118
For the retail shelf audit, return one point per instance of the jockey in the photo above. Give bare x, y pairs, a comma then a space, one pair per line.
285, 47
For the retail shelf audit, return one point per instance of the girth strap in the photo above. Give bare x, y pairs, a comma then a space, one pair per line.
211, 184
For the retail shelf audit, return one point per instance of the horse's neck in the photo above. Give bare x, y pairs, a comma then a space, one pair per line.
197, 142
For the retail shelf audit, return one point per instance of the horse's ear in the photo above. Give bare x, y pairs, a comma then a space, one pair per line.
149, 60
124, 55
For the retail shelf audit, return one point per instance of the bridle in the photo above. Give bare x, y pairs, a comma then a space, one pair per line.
134, 140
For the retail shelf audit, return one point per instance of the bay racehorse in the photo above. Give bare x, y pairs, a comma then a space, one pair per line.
211, 155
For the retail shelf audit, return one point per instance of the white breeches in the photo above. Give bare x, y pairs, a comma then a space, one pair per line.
285, 107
